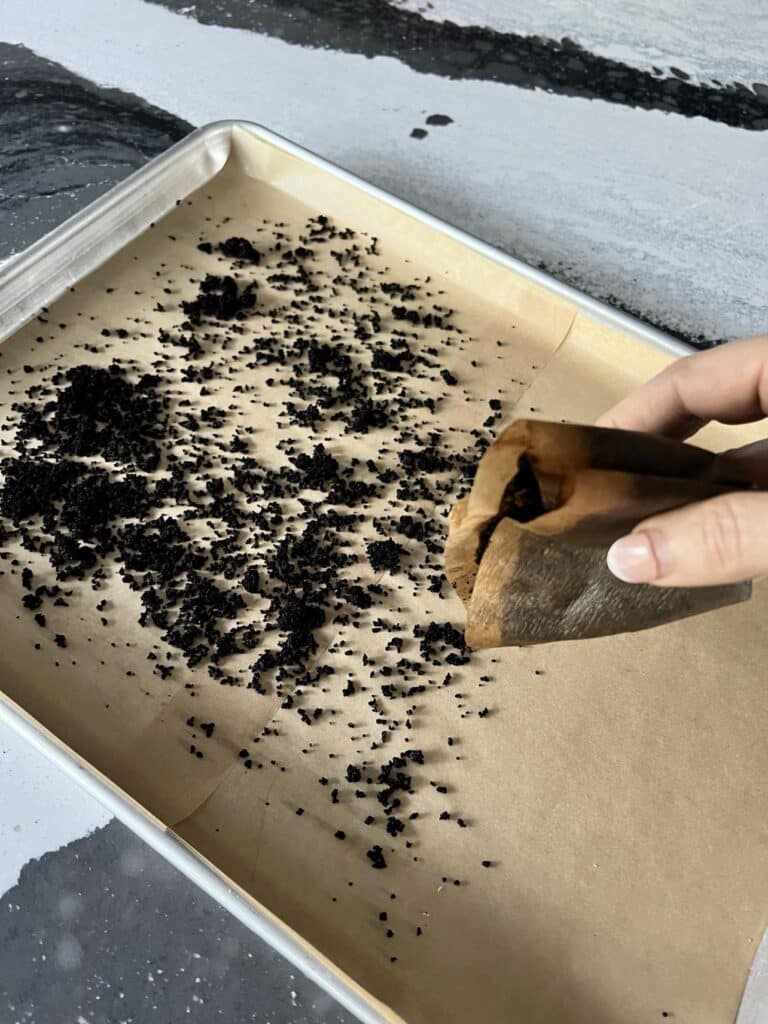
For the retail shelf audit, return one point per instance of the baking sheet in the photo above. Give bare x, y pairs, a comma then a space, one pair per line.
607, 790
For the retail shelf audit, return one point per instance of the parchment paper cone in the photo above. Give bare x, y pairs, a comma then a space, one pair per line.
526, 549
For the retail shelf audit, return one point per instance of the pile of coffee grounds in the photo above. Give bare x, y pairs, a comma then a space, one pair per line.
97, 411
290, 570
220, 299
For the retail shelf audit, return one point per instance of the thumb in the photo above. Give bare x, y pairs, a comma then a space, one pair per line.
722, 540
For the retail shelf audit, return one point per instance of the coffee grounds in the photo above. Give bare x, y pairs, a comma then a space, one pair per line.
256, 567
240, 249
98, 411
385, 555
220, 299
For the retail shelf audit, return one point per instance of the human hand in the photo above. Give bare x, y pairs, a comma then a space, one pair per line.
723, 539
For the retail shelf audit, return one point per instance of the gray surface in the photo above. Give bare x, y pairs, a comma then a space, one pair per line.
107, 932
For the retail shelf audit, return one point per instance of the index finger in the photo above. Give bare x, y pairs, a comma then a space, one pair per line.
728, 384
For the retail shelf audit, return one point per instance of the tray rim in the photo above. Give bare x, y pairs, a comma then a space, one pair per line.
217, 131
51, 248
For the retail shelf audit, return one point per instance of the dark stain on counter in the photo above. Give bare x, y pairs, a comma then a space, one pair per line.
65, 141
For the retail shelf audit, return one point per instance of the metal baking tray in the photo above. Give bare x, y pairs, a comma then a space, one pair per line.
37, 277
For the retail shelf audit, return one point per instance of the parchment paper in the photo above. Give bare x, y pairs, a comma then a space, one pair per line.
617, 786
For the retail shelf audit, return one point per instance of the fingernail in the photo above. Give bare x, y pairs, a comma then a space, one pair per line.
634, 558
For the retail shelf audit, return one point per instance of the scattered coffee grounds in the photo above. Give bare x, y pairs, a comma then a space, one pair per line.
290, 570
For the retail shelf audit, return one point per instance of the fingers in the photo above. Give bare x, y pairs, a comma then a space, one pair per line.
722, 540
728, 384
725, 539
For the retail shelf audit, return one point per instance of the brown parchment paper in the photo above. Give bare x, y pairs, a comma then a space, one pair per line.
618, 786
